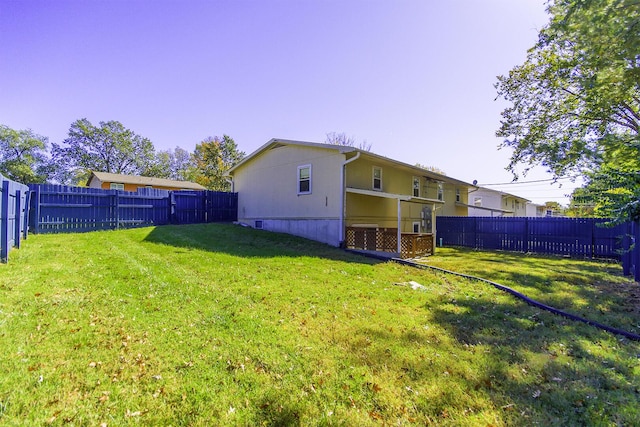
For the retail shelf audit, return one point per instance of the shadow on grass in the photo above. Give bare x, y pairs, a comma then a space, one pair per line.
590, 289
246, 242
556, 371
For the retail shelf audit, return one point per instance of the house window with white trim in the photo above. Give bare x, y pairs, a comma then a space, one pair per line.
477, 201
416, 186
458, 195
416, 227
116, 186
440, 191
304, 179
377, 178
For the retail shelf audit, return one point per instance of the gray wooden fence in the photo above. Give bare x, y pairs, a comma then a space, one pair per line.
65, 209
14, 215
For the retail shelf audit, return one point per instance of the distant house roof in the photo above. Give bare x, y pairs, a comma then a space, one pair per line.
143, 181
275, 142
501, 193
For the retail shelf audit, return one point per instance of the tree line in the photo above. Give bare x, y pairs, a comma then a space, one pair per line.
575, 104
28, 158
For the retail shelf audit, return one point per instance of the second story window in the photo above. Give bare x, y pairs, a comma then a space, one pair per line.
458, 195
440, 191
477, 201
377, 178
304, 179
416, 186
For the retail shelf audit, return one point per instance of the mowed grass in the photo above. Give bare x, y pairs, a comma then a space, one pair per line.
221, 325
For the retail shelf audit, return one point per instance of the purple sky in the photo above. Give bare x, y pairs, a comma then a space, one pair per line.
412, 78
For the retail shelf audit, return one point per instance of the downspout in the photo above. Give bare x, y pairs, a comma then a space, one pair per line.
343, 200
399, 248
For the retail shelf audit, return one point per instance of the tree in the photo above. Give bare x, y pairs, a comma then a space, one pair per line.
348, 141
211, 159
172, 164
108, 147
23, 156
431, 169
576, 99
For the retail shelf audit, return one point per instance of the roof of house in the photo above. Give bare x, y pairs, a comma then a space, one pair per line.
502, 193
144, 180
275, 142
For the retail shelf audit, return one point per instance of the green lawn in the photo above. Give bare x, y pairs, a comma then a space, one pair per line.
222, 325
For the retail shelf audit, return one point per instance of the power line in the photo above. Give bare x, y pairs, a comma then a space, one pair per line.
527, 182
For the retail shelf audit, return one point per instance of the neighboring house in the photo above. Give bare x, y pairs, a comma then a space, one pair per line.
486, 202
344, 196
535, 210
116, 181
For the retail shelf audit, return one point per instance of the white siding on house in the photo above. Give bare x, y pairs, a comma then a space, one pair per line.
268, 192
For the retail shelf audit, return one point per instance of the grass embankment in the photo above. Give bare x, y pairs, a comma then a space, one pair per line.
216, 324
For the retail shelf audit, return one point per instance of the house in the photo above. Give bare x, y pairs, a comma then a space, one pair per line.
535, 210
344, 196
487, 202
116, 181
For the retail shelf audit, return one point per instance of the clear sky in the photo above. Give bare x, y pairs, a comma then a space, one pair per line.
414, 78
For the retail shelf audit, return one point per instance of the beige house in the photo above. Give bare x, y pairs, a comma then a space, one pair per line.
487, 202
114, 181
344, 196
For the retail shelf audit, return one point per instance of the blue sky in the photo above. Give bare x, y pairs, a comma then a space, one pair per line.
412, 78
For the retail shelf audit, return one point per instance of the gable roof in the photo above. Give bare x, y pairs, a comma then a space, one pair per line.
502, 193
276, 142
144, 180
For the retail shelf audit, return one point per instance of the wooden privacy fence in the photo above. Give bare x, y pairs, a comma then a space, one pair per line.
14, 214
580, 237
577, 237
64, 209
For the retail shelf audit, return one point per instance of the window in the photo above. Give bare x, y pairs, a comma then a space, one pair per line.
440, 191
116, 186
477, 201
458, 195
258, 224
377, 178
416, 186
416, 227
304, 179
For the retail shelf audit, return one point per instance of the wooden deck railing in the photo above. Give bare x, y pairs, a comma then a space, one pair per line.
386, 240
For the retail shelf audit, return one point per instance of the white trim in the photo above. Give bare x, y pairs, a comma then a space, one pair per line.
298, 180
403, 197
414, 226
413, 187
373, 178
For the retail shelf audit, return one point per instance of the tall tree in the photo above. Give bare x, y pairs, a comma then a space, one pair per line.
212, 158
431, 169
23, 156
576, 99
335, 138
172, 164
108, 147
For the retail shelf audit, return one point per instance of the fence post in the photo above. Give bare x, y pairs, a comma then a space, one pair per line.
17, 236
27, 210
116, 202
35, 215
625, 256
4, 222
525, 239
636, 250
172, 208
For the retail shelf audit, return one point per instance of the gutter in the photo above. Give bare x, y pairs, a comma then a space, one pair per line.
343, 199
